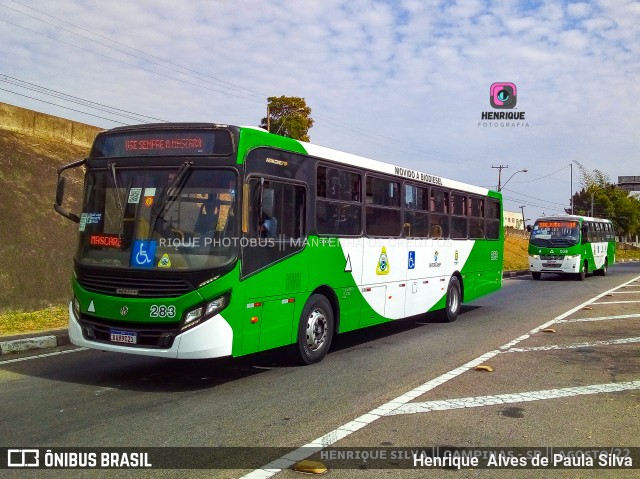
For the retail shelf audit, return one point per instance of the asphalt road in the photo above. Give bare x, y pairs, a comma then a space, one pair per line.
97, 399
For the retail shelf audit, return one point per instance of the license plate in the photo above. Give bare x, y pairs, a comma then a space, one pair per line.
551, 265
128, 337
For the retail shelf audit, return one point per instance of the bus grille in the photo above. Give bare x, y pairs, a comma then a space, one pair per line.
150, 336
127, 287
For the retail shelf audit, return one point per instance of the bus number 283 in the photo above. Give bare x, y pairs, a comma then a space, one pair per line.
162, 311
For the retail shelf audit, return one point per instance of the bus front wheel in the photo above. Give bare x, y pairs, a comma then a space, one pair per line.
583, 274
315, 330
536, 275
453, 301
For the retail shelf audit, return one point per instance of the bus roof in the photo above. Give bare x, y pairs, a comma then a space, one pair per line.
572, 217
357, 161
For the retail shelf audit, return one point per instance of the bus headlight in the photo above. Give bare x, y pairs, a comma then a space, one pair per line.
204, 312
76, 307
535, 256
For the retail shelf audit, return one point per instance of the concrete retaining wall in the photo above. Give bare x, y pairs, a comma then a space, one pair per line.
46, 126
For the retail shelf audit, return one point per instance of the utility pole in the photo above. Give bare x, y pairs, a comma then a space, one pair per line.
571, 165
268, 118
524, 226
500, 168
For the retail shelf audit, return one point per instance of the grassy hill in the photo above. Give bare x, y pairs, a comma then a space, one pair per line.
36, 244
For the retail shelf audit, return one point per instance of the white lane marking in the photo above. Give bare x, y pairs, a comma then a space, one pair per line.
618, 302
343, 431
45, 355
625, 292
555, 347
479, 401
600, 318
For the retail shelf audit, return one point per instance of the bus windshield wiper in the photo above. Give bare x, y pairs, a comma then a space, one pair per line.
119, 202
169, 194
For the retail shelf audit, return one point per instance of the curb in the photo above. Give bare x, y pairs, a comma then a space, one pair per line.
30, 341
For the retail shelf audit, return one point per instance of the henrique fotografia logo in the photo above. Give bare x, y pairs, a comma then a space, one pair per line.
503, 95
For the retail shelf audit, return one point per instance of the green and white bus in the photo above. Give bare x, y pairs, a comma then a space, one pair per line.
208, 240
571, 244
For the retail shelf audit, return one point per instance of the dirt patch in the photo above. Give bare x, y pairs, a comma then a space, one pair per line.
36, 244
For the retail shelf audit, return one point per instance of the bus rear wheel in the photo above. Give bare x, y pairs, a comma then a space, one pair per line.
453, 302
315, 330
602, 271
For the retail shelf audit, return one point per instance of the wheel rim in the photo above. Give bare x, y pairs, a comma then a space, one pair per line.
316, 329
454, 300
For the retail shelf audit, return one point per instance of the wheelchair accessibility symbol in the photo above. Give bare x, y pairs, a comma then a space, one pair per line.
143, 253
412, 260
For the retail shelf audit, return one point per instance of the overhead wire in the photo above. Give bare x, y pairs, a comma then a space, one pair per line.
187, 71
77, 100
62, 106
248, 94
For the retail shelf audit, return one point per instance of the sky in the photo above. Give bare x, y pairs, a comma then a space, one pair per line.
404, 82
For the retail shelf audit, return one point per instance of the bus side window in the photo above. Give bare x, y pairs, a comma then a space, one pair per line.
585, 233
439, 218
338, 194
416, 215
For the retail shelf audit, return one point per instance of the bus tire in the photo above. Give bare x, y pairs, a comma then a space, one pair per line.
536, 275
453, 301
315, 330
583, 273
603, 271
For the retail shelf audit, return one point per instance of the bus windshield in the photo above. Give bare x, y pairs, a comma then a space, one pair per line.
550, 233
163, 219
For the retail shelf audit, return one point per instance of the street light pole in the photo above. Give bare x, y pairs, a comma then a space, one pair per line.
505, 183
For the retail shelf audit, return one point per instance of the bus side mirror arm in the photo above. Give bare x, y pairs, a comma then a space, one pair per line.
57, 206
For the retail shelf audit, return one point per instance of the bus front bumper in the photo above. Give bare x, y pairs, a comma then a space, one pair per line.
569, 264
211, 339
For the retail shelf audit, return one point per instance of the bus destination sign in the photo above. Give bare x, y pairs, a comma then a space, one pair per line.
163, 143
193, 143
557, 224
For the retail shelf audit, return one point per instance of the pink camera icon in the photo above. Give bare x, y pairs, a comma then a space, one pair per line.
503, 95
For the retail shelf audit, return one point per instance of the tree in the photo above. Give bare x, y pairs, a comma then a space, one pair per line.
608, 201
288, 116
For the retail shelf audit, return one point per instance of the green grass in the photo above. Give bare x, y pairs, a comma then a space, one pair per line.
515, 253
627, 254
53, 317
